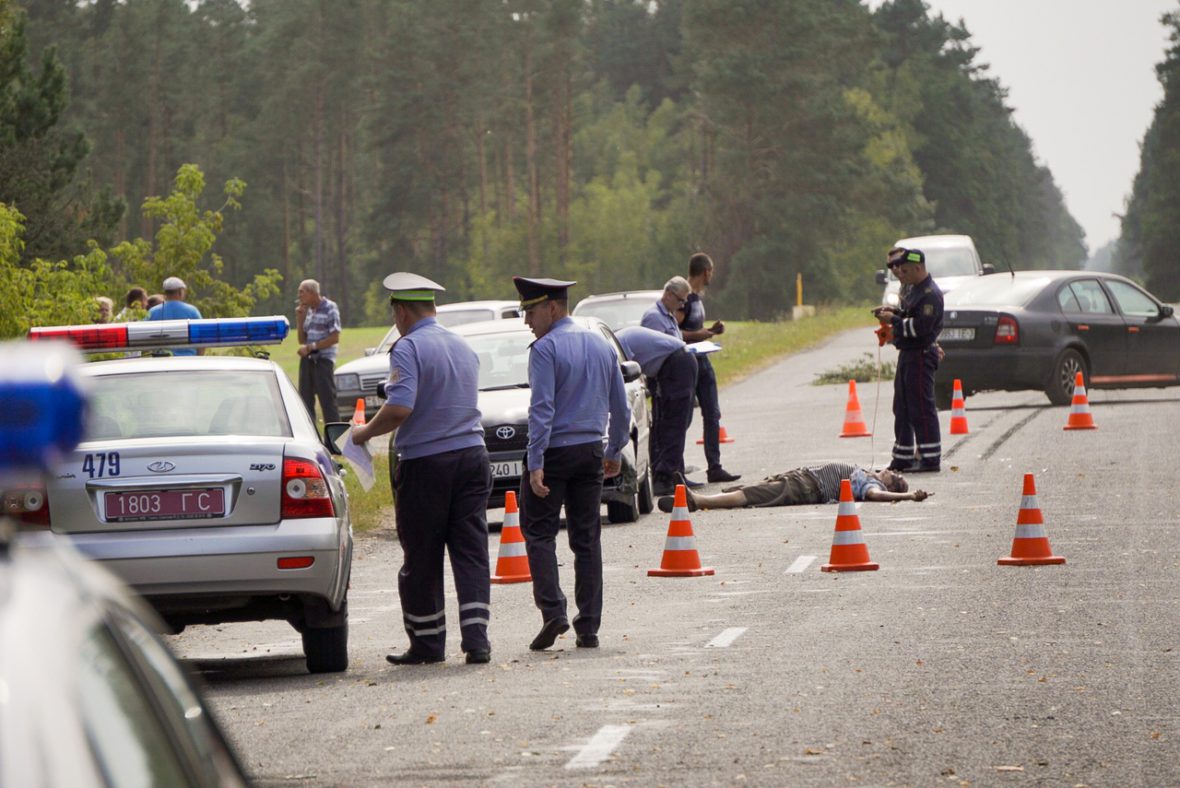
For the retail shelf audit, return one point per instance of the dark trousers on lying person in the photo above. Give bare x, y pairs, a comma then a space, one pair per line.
441, 504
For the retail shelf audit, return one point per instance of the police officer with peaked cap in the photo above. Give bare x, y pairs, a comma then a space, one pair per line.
443, 478
673, 371
577, 389
915, 324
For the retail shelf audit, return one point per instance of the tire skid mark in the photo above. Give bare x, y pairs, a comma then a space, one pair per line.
1010, 432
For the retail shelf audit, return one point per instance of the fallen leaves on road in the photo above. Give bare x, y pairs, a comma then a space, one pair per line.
431, 719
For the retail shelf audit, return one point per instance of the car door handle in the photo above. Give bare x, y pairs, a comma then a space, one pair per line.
1132, 329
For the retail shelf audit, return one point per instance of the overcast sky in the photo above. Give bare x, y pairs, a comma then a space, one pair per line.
1080, 76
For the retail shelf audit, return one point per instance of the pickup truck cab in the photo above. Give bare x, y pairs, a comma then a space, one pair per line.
950, 259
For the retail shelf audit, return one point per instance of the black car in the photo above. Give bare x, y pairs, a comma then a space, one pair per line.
1038, 329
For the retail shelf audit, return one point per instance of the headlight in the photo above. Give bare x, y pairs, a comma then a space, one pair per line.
348, 382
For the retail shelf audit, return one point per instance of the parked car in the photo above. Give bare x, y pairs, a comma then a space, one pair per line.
950, 259
618, 310
1038, 329
360, 377
503, 350
202, 483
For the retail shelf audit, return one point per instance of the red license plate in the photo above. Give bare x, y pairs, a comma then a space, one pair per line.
165, 505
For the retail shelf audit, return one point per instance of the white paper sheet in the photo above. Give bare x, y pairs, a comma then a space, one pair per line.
704, 346
360, 459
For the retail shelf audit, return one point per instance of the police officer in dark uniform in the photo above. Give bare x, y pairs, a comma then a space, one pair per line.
577, 387
672, 370
915, 325
443, 478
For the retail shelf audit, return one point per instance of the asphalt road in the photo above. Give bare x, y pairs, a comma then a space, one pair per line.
940, 668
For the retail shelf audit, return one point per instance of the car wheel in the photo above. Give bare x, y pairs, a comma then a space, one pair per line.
1060, 387
647, 501
326, 649
944, 396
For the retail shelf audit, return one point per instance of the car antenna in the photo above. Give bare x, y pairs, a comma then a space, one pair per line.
1010, 268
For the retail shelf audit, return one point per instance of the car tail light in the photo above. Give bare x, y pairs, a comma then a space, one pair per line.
1007, 331
28, 505
305, 491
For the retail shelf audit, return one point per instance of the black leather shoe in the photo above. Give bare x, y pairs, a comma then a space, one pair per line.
662, 487
722, 475
549, 632
666, 504
480, 656
587, 641
408, 657
690, 484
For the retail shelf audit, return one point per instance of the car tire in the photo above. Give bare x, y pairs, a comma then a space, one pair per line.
326, 649
647, 501
1059, 388
623, 511
943, 396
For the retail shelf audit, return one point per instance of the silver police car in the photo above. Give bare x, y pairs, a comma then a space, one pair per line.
201, 481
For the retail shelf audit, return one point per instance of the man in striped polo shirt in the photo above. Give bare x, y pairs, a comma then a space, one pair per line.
801, 486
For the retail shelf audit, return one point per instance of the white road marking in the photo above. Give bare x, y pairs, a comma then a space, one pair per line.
800, 564
726, 638
599, 748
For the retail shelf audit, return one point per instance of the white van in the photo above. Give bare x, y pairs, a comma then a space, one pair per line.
950, 259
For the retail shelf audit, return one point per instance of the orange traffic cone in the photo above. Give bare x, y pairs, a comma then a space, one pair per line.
358, 415
849, 552
854, 422
1030, 546
512, 565
680, 548
723, 437
958, 411
1080, 417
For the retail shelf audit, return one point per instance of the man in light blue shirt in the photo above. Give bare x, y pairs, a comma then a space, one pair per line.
175, 308
577, 389
662, 314
672, 369
443, 477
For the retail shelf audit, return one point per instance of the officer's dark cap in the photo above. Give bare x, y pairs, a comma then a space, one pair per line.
535, 291
898, 255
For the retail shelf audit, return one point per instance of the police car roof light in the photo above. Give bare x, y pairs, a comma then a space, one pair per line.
214, 332
42, 405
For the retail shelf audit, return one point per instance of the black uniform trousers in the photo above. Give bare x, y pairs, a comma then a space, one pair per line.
917, 440
573, 475
675, 383
317, 377
710, 403
441, 503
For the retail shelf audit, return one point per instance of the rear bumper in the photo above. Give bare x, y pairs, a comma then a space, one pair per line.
229, 562
996, 368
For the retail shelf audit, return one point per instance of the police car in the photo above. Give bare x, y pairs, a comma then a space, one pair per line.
201, 481
88, 693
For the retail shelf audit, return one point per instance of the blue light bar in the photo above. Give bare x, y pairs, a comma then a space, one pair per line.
238, 331
42, 405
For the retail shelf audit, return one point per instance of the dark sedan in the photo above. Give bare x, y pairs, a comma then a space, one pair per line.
1038, 329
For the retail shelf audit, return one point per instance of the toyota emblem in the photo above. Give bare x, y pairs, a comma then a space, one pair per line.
505, 433
161, 466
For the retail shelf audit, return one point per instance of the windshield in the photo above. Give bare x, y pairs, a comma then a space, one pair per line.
459, 317
186, 403
617, 312
996, 290
503, 359
949, 261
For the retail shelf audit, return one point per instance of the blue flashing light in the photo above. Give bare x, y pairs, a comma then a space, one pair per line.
42, 405
238, 331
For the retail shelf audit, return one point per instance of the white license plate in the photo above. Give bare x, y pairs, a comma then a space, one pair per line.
957, 335
373, 401
505, 470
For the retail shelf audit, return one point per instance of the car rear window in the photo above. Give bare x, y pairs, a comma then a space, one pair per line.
460, 317
996, 290
186, 403
618, 313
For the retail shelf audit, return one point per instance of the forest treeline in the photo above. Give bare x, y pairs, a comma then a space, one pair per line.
469, 140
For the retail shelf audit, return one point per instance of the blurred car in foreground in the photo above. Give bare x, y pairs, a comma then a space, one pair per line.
202, 483
88, 693
1038, 329
618, 310
950, 259
360, 377
503, 350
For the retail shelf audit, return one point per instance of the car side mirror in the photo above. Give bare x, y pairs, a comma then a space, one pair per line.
881, 276
332, 432
1166, 310
631, 371
370, 351
988, 268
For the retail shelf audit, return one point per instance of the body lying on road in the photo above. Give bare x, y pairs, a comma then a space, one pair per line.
801, 486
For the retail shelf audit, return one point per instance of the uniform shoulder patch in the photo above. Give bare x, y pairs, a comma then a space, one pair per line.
927, 309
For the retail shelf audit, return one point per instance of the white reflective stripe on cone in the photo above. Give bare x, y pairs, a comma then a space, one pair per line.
847, 509
848, 537
512, 549
1081, 407
680, 543
1033, 531
1029, 502
680, 513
